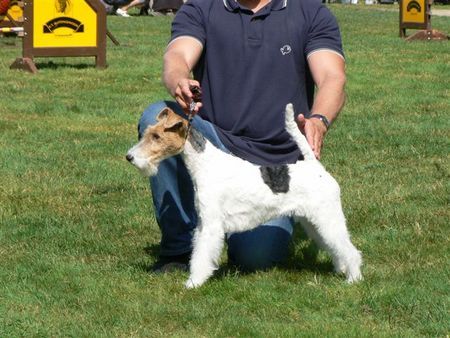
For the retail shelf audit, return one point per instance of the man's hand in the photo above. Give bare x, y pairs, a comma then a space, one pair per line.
184, 96
314, 130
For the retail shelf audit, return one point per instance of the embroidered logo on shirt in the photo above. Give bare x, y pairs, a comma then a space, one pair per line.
286, 49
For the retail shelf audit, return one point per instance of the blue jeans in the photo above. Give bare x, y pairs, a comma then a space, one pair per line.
173, 199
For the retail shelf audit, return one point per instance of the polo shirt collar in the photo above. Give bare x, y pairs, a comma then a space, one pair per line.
274, 5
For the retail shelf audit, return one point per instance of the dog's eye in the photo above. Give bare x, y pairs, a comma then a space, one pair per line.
155, 137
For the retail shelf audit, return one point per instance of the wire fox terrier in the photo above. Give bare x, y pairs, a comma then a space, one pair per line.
234, 195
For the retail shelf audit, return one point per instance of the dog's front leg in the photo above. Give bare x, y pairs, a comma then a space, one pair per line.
207, 246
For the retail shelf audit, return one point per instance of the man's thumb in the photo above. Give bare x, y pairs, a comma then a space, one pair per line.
301, 121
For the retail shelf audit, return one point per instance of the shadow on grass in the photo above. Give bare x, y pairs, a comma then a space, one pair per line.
151, 250
303, 256
52, 65
10, 41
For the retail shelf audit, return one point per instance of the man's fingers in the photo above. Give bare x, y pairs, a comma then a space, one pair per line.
310, 135
301, 121
313, 133
317, 145
308, 130
184, 95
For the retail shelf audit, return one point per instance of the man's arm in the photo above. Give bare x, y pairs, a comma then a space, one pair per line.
179, 59
328, 72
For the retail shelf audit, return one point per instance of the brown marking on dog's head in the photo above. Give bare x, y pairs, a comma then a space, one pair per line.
167, 137
164, 139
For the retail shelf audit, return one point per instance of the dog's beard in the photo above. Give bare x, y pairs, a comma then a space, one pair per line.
148, 169
145, 166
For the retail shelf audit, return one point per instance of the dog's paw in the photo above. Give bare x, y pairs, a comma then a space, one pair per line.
190, 284
354, 277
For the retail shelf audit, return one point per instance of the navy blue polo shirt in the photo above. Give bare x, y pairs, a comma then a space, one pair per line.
252, 65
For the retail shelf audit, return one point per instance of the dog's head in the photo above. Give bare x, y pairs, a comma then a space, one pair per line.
164, 139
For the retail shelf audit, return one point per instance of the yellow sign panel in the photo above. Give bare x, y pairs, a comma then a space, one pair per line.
413, 11
64, 23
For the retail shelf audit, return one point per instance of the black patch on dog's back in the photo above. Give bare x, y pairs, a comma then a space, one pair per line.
276, 177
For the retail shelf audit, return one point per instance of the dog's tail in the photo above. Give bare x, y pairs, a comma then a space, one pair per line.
297, 136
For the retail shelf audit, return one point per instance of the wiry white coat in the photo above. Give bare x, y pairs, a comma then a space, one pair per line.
232, 197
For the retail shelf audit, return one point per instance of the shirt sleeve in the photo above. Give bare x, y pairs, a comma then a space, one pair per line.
189, 22
324, 33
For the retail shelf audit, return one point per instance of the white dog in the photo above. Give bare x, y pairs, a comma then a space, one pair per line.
233, 195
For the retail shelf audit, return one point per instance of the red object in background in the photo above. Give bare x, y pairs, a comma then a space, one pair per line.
4, 5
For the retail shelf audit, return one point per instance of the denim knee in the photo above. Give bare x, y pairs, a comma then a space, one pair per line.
259, 249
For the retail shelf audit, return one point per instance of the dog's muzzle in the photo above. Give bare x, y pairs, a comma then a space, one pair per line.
146, 167
129, 158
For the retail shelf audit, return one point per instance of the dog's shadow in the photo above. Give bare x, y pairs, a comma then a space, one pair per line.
303, 256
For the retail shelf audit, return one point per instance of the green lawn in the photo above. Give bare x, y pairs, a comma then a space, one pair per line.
77, 233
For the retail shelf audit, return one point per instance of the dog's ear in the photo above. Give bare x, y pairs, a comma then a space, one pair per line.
175, 127
163, 114
174, 123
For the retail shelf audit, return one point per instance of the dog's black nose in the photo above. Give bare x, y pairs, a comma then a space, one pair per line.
129, 157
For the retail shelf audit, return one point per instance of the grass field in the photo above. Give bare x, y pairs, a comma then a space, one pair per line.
77, 233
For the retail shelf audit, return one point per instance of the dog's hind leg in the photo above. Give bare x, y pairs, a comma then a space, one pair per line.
327, 228
208, 243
